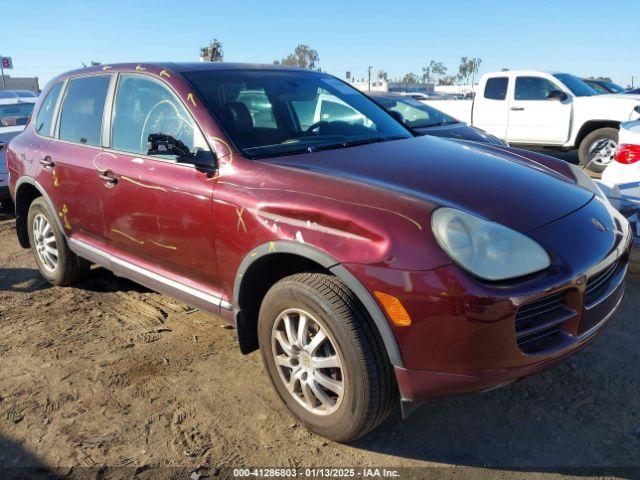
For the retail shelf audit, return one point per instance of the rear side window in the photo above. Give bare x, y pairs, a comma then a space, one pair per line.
81, 117
45, 115
145, 109
496, 88
533, 88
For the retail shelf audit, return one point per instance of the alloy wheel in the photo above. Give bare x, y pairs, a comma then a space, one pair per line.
601, 152
45, 243
308, 362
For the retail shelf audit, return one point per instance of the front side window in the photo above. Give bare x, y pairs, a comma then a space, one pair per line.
45, 114
148, 119
496, 88
533, 88
416, 114
82, 109
259, 107
309, 111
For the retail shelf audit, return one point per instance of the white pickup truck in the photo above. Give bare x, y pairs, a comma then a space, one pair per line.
550, 110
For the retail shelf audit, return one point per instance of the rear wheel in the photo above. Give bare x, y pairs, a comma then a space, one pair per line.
56, 262
324, 357
597, 149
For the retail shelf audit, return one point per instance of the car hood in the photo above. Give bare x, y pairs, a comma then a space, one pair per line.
460, 131
493, 182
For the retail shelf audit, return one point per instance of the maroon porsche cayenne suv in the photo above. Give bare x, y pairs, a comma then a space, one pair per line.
367, 265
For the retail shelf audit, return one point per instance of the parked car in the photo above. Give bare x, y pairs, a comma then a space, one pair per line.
426, 120
14, 114
542, 109
633, 91
625, 169
367, 264
603, 86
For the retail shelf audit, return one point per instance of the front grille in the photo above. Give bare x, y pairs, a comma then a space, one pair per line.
598, 284
539, 323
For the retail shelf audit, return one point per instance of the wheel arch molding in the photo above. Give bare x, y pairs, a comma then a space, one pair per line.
322, 260
28, 189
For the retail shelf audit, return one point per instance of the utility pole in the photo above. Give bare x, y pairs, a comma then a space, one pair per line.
4, 87
369, 73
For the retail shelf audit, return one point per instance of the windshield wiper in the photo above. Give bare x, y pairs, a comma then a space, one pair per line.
439, 124
354, 143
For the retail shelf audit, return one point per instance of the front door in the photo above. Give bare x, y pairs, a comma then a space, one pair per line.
159, 209
536, 118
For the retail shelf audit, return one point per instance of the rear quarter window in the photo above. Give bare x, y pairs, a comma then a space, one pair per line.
496, 88
81, 116
45, 114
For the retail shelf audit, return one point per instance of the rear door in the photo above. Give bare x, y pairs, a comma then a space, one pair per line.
535, 118
159, 211
74, 154
491, 110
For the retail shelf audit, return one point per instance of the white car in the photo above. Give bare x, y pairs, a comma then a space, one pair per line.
625, 169
545, 109
622, 175
15, 110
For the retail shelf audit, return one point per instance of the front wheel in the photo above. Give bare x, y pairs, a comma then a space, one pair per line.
324, 357
597, 149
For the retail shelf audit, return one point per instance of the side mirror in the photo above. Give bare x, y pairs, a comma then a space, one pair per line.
397, 115
163, 144
557, 95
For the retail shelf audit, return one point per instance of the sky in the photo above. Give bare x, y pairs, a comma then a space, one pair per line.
586, 38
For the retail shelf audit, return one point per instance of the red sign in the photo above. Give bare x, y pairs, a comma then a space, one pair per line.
7, 64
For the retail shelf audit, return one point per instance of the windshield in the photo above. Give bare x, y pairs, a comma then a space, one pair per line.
276, 112
615, 88
415, 113
577, 86
15, 114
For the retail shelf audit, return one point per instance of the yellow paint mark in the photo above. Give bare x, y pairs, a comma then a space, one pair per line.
191, 99
253, 254
169, 247
56, 181
140, 68
106, 67
239, 212
115, 230
164, 73
135, 182
272, 247
227, 146
63, 214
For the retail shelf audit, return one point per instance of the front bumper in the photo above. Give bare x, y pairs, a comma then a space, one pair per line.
471, 336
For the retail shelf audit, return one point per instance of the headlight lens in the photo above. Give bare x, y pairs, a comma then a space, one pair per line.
486, 249
584, 181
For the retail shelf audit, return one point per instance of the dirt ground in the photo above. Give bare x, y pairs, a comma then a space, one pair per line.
107, 373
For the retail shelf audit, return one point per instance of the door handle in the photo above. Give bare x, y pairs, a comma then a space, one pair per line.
517, 109
107, 178
47, 163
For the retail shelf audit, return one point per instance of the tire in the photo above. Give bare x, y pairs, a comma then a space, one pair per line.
369, 392
589, 141
68, 267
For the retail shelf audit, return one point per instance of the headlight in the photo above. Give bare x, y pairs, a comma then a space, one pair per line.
583, 180
486, 249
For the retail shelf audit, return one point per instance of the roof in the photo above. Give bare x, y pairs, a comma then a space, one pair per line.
179, 67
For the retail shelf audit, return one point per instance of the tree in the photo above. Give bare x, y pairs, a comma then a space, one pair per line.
212, 52
410, 78
382, 75
448, 80
303, 56
433, 70
468, 68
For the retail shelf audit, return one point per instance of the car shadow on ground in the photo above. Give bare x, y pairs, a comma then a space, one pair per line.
17, 463
28, 280
580, 418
